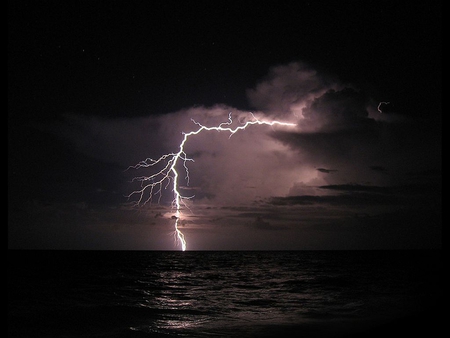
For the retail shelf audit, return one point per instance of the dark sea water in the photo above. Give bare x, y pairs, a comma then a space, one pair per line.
224, 294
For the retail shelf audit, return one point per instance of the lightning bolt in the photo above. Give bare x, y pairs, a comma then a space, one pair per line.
154, 184
379, 106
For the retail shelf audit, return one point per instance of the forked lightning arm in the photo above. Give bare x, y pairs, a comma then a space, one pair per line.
153, 185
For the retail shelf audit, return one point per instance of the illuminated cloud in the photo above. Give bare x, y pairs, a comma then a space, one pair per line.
288, 89
335, 129
339, 160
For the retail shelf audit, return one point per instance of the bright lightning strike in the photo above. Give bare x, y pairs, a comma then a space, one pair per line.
154, 184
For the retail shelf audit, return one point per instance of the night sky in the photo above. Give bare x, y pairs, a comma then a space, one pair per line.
95, 87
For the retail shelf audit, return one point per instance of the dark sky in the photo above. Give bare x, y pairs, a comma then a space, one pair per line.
97, 86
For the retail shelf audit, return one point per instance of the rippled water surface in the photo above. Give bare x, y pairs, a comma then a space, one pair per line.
216, 294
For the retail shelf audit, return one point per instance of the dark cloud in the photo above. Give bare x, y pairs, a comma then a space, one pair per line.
357, 188
355, 199
326, 171
377, 168
260, 224
334, 110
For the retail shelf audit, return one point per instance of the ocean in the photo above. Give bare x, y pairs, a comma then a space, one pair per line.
224, 293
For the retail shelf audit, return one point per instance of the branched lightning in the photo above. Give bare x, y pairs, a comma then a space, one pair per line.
154, 184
